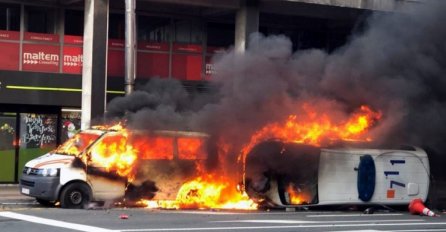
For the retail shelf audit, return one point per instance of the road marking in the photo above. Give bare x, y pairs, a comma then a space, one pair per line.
55, 223
320, 222
363, 231
414, 230
356, 215
287, 227
419, 230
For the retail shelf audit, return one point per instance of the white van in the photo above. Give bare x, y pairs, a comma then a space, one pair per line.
72, 176
282, 174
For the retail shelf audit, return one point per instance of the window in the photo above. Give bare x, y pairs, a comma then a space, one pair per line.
154, 29
108, 150
38, 133
191, 148
188, 31
153, 147
71, 123
9, 17
40, 20
74, 22
7, 146
77, 144
220, 35
116, 28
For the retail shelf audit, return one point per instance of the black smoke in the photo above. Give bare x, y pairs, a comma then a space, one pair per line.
397, 65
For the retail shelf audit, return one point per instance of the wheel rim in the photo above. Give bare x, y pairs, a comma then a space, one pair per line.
75, 197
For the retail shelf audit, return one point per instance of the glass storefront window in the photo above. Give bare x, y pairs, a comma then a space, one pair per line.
40, 19
74, 22
9, 17
188, 31
154, 29
7, 146
116, 29
220, 35
38, 135
71, 124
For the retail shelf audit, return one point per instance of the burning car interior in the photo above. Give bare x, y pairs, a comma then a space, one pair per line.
284, 171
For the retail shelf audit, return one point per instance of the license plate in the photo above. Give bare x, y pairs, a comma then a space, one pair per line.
25, 191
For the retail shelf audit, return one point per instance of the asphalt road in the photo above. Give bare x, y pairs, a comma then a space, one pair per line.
24, 219
19, 213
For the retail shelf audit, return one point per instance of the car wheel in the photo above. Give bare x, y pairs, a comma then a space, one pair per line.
75, 196
45, 203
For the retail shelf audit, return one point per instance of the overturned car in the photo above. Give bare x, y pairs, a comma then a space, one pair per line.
281, 174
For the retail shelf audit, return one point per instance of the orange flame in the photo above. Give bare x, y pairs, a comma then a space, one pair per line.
116, 127
114, 153
206, 193
77, 144
297, 196
316, 128
191, 148
118, 151
148, 147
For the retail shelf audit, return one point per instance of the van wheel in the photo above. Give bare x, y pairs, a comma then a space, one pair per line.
75, 196
45, 202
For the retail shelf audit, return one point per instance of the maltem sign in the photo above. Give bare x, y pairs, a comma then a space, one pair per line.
72, 59
41, 57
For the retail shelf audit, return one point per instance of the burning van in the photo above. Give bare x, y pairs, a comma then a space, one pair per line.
280, 174
99, 164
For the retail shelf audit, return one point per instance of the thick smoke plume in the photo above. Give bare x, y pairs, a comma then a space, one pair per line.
396, 65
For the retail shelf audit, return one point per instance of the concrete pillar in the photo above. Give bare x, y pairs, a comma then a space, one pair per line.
94, 71
246, 22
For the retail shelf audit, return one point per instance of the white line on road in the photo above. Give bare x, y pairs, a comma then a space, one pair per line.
320, 222
55, 223
413, 230
285, 227
419, 230
356, 215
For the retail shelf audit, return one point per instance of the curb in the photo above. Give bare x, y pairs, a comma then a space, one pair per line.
9, 185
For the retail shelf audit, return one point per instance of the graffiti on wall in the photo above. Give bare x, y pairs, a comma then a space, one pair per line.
38, 130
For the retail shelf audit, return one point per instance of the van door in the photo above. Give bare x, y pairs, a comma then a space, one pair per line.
103, 177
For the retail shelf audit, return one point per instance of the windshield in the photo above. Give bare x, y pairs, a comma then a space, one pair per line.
77, 144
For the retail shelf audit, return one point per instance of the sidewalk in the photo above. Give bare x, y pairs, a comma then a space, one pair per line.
10, 195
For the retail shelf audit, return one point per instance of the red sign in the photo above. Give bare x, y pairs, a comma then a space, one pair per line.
152, 46
73, 39
116, 62
41, 37
152, 65
211, 50
116, 43
186, 67
38, 57
72, 60
9, 60
187, 48
9, 35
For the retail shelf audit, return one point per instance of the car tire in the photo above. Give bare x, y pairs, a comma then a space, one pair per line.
45, 203
75, 196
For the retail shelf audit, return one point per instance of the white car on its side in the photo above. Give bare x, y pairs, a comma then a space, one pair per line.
280, 174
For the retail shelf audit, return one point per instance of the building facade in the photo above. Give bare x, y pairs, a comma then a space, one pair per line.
41, 58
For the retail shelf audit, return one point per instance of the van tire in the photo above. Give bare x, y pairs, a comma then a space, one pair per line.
75, 196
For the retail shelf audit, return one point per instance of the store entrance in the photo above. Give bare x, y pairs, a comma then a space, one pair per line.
26, 134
